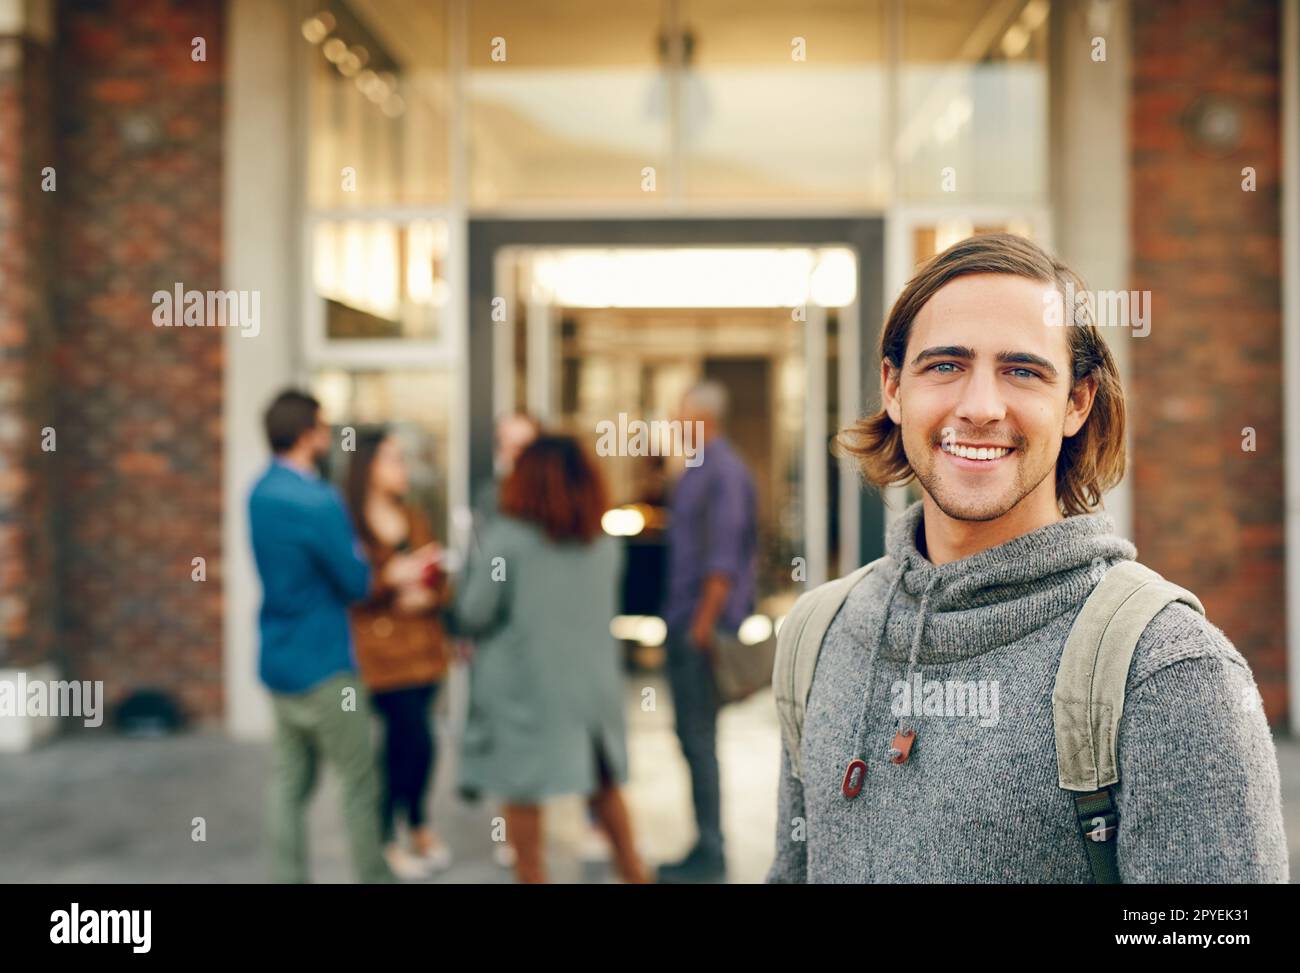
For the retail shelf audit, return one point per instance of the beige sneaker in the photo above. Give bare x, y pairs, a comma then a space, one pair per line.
430, 849
404, 865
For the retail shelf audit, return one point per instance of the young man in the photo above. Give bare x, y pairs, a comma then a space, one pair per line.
311, 570
1013, 428
712, 545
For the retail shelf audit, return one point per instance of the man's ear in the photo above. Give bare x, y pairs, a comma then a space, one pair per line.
1078, 408
889, 376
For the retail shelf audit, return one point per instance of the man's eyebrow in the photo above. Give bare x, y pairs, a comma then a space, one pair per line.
1025, 358
944, 351
1003, 357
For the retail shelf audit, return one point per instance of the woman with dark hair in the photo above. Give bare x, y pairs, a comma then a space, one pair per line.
546, 698
399, 642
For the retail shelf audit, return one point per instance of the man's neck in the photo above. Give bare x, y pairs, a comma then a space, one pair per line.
948, 539
298, 460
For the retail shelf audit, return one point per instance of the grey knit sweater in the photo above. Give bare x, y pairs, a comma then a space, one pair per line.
976, 643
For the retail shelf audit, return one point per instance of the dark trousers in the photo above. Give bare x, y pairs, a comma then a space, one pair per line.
695, 705
410, 751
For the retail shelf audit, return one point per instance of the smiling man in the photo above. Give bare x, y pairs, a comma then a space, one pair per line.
1014, 427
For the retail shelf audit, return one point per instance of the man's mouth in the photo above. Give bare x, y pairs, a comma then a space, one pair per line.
977, 453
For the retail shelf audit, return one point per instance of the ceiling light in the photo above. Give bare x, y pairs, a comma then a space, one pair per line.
317, 28
334, 50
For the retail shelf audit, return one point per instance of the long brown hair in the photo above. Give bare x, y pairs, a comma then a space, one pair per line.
1092, 460
557, 486
357, 487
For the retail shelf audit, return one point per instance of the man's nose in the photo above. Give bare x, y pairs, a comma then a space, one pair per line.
981, 399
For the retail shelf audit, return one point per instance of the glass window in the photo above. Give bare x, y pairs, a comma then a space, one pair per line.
380, 279
784, 100
974, 102
377, 104
566, 100
734, 100
931, 238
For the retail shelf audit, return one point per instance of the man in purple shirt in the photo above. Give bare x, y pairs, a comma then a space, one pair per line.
712, 537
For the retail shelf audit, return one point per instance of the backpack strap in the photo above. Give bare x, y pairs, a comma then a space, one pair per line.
798, 644
1088, 698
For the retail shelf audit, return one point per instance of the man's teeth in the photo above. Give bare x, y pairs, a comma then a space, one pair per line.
972, 452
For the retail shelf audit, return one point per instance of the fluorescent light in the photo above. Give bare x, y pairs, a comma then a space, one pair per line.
694, 277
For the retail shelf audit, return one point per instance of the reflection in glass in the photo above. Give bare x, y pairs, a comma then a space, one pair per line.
784, 100
378, 92
381, 278
974, 101
566, 100
929, 239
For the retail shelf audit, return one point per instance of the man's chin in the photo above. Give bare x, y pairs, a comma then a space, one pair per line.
974, 509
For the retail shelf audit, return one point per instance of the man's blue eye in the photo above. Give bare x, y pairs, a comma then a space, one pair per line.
1025, 373
943, 364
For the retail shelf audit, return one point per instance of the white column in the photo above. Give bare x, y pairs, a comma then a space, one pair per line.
261, 189
540, 350
815, 485
1090, 160
850, 385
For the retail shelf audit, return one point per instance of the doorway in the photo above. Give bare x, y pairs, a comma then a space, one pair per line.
579, 321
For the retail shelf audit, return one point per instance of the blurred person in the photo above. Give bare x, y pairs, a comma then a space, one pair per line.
546, 710
311, 569
400, 644
1014, 430
513, 432
712, 565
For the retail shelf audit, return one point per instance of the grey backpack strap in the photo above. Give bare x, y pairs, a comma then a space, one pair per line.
1088, 698
798, 644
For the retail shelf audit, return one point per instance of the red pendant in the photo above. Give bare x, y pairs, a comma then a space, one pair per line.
903, 741
854, 777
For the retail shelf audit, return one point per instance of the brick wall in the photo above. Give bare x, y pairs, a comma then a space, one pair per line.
27, 624
139, 425
1208, 515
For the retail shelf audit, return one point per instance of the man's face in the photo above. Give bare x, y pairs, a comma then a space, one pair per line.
319, 439
983, 370
689, 412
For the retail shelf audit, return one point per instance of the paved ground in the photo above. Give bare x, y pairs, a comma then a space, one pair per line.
98, 808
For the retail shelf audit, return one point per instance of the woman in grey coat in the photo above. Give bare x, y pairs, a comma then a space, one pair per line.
546, 701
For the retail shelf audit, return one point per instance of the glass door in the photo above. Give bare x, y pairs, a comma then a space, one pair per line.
618, 335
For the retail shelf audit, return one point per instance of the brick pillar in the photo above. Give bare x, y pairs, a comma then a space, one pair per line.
27, 573
140, 420
1209, 515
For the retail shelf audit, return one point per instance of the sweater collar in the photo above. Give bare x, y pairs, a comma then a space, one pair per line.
997, 596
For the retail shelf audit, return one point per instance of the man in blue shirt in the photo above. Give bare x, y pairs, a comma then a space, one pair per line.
712, 544
311, 569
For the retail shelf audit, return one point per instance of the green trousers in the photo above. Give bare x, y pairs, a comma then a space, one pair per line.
332, 724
